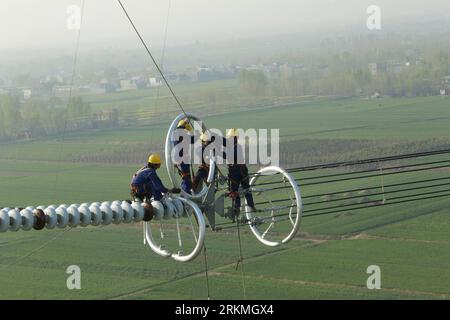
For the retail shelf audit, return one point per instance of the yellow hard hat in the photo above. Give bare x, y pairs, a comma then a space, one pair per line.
205, 137
154, 159
233, 132
185, 124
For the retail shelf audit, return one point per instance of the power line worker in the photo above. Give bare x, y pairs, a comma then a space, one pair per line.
238, 173
146, 184
184, 169
203, 170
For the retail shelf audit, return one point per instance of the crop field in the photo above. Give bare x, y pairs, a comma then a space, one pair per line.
328, 259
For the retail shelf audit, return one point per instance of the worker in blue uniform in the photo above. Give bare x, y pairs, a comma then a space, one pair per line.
184, 169
146, 184
203, 169
238, 173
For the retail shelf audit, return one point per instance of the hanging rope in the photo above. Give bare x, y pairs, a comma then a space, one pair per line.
75, 60
206, 272
153, 60
163, 55
72, 81
241, 259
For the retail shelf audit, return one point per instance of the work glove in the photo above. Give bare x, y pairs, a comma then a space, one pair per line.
233, 195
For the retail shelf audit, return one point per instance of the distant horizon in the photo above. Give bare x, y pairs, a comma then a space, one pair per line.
43, 27
131, 42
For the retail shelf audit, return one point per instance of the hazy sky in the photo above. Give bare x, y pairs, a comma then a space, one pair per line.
31, 23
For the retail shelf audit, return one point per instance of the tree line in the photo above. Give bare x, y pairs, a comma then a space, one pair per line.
346, 75
36, 117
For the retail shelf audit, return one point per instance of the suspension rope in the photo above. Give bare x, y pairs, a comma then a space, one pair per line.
163, 55
241, 259
173, 94
72, 81
206, 271
153, 60
75, 61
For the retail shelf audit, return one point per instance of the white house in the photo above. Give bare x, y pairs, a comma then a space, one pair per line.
128, 84
27, 93
154, 82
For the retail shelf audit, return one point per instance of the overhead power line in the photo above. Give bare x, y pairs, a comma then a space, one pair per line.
359, 196
363, 171
370, 160
422, 189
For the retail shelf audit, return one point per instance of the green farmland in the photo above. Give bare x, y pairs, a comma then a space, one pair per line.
328, 260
